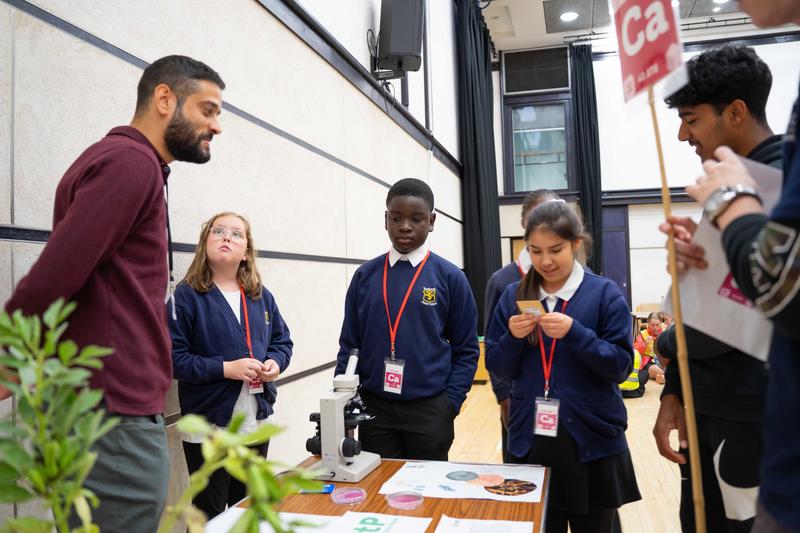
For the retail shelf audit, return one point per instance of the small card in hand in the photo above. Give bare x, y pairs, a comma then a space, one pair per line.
532, 307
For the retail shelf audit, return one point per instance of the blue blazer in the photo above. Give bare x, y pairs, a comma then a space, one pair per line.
590, 361
206, 333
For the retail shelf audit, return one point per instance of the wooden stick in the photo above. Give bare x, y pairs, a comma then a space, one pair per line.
680, 335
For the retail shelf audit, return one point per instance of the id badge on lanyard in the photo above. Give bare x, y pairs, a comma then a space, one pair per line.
393, 375
392, 366
545, 414
255, 386
545, 417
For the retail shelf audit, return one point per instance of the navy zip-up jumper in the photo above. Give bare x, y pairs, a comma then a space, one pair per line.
206, 334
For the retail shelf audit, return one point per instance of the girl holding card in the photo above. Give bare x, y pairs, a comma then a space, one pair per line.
229, 343
565, 365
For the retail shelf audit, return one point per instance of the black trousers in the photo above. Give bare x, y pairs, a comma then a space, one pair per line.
408, 429
222, 490
734, 449
504, 441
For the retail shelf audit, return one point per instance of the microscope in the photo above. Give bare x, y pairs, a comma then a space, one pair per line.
340, 412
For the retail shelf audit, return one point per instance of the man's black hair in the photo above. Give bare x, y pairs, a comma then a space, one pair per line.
722, 75
180, 73
411, 187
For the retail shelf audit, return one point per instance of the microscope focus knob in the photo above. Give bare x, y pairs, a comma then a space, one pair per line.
314, 445
350, 447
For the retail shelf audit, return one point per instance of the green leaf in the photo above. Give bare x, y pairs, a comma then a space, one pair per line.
75, 377
276, 492
50, 317
52, 449
94, 352
5, 320
194, 424
22, 325
12, 386
69, 453
27, 376
16, 456
261, 435
29, 524
37, 479
236, 423
36, 331
11, 362
83, 510
14, 494
227, 440
233, 465
91, 363
9, 428
244, 524
8, 473
208, 449
21, 353
67, 350
107, 425
88, 399
25, 411
66, 310
52, 367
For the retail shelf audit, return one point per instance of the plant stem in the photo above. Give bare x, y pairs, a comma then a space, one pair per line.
59, 516
185, 501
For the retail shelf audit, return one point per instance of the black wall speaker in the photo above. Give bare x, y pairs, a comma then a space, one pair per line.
400, 37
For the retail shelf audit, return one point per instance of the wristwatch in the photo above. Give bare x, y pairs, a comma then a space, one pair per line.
719, 200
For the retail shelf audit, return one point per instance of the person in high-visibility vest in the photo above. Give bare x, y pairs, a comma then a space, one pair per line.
633, 386
645, 343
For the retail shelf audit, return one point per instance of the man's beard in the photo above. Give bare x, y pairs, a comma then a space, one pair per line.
183, 142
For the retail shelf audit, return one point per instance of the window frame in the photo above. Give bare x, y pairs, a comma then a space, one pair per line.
511, 102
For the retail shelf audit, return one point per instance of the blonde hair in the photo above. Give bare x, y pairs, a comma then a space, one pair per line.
199, 276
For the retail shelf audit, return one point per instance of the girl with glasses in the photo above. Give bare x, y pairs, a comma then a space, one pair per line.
229, 344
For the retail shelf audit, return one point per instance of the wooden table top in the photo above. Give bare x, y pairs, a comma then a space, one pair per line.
321, 504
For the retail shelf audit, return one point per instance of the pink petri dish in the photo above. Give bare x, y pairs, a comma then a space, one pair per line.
404, 500
348, 495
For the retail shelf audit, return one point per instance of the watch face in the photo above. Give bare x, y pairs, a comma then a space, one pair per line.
717, 202
714, 201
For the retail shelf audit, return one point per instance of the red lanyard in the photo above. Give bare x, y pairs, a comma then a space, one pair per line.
547, 364
519, 267
246, 322
393, 329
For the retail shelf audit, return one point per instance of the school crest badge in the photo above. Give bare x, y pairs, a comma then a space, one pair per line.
429, 296
266, 317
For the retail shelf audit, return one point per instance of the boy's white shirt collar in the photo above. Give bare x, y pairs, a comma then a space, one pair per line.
524, 260
567, 291
414, 257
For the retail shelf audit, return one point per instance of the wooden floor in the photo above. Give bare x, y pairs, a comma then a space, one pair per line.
478, 440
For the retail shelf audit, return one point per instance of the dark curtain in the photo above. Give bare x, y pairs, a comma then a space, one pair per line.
587, 144
476, 141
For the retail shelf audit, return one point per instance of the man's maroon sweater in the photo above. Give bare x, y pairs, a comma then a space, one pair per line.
108, 252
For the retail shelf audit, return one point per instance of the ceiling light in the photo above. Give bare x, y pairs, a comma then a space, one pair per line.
716, 9
568, 16
721, 1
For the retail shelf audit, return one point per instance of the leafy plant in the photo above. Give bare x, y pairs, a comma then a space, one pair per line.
45, 451
227, 448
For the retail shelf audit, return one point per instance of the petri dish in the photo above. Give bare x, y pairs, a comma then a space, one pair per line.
348, 495
405, 500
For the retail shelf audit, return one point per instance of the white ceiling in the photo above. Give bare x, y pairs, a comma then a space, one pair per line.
520, 24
